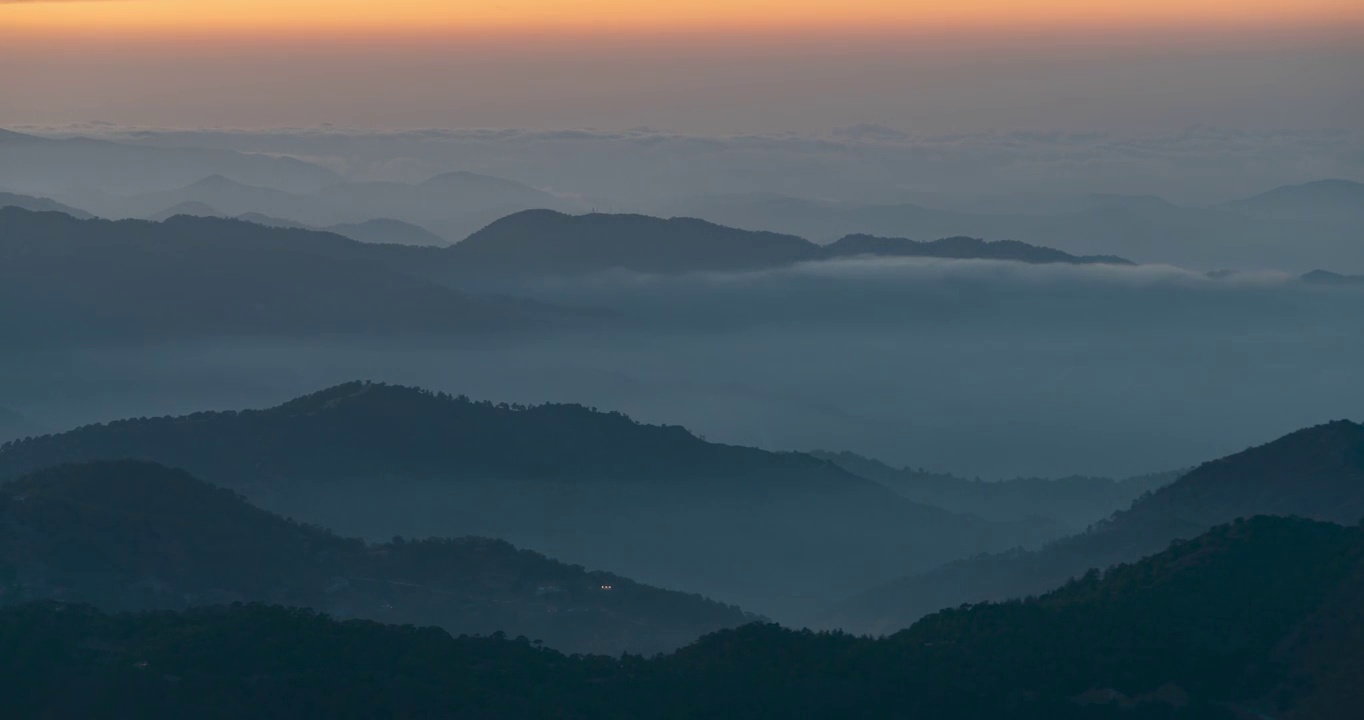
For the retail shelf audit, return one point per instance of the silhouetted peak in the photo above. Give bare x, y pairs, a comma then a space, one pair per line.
11, 136
399, 404
114, 484
193, 208
545, 241
535, 219
1332, 195
216, 182
40, 204
1319, 441
270, 221
1326, 277
1330, 186
1316, 472
960, 248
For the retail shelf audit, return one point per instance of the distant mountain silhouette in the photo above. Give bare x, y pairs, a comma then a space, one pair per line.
192, 208
220, 196
1256, 619
774, 532
546, 242
961, 248
1313, 202
93, 280
1314, 473
1070, 502
67, 168
267, 220
37, 204
1265, 232
130, 535
379, 231
388, 232
541, 242
1324, 277
448, 207
452, 205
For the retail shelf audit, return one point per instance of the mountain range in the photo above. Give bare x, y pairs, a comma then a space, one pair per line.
96, 280
78, 170
772, 532
129, 535
1075, 502
1315, 473
547, 242
1294, 228
38, 204
384, 231
1256, 619
68, 280
451, 205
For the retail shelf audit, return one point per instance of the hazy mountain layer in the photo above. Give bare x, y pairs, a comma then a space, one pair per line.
1292, 228
1074, 502
778, 533
84, 169
134, 536
1255, 619
1314, 473
37, 204
87, 281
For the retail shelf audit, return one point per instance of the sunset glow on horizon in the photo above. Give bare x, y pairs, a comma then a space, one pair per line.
709, 66
107, 17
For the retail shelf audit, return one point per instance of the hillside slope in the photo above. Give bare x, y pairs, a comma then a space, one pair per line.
1211, 629
1314, 473
1075, 502
88, 280
778, 533
129, 535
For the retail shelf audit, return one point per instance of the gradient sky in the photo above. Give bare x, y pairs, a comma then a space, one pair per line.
303, 15
689, 65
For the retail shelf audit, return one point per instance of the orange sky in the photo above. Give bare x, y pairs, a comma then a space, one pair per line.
232, 16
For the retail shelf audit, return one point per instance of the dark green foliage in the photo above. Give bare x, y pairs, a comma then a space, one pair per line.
131, 535
1211, 629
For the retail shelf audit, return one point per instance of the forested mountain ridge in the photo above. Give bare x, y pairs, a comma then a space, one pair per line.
1315, 473
1217, 628
129, 535
769, 531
